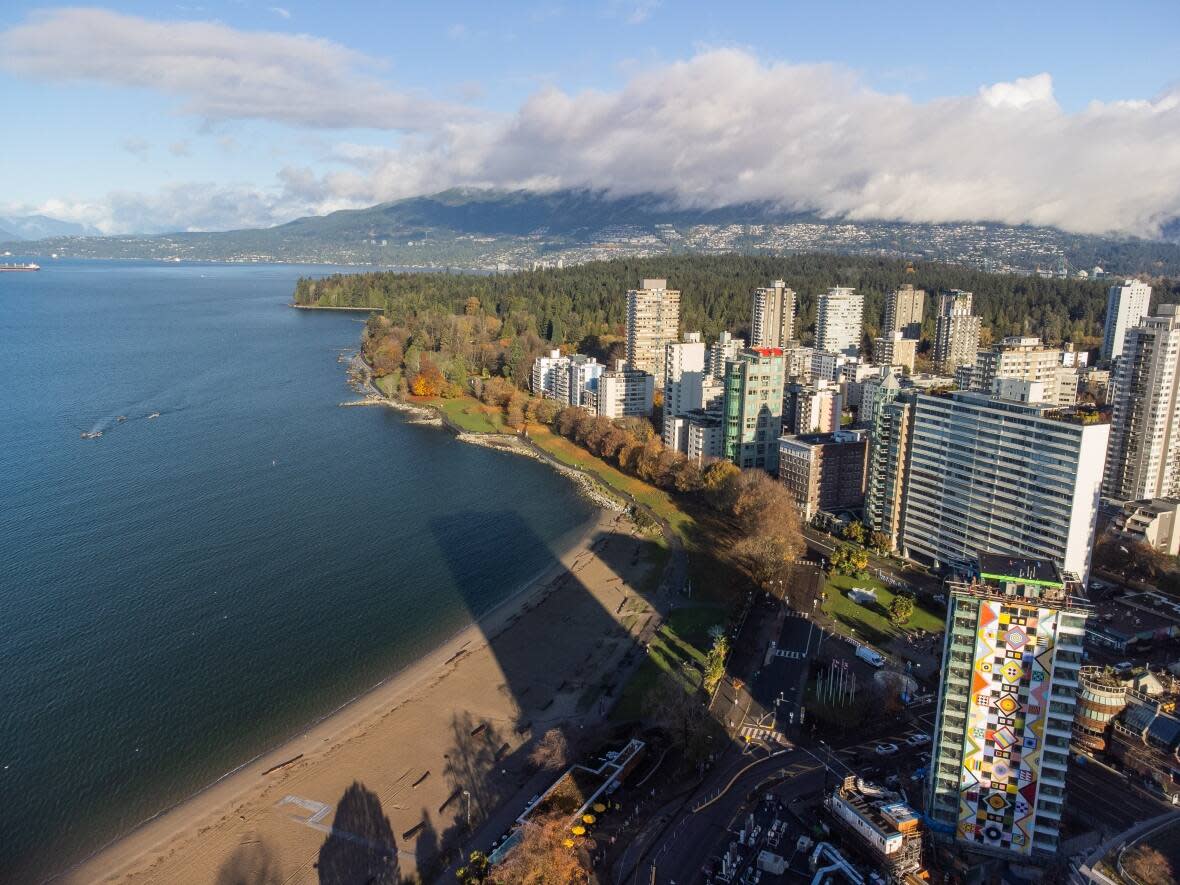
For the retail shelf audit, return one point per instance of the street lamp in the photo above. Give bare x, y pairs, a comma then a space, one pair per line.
467, 796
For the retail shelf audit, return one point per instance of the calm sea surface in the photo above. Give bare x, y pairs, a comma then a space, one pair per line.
186, 591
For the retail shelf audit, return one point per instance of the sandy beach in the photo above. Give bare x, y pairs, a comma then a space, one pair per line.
392, 765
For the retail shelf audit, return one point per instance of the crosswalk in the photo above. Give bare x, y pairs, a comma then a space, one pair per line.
752, 733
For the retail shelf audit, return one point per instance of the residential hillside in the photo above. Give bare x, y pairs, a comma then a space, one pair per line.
498, 230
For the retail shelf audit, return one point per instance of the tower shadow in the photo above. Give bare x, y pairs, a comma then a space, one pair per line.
361, 848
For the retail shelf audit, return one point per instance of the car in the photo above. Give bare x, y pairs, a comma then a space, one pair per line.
885, 749
917, 739
871, 657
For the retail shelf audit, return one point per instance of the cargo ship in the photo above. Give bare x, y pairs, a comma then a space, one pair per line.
19, 267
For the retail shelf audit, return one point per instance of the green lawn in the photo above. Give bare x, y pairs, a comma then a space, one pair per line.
871, 622
473, 416
680, 647
660, 502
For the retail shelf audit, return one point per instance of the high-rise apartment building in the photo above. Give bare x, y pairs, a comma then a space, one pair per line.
839, 321
578, 385
895, 350
989, 475
698, 434
773, 322
1126, 305
811, 408
753, 408
721, 351
625, 392
1028, 359
890, 418
570, 379
653, 321
684, 371
956, 332
903, 312
1144, 456
1013, 650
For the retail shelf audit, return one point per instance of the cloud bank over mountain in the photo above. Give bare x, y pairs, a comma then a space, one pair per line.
720, 127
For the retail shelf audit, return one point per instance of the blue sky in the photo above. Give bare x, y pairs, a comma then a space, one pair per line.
109, 122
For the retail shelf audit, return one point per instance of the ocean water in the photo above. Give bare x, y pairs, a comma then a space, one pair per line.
186, 591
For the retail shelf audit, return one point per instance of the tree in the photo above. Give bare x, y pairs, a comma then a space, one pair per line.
542, 857
901, 609
854, 532
849, 560
681, 709
715, 661
719, 484
879, 543
1149, 866
552, 750
767, 556
475, 870
514, 411
429, 381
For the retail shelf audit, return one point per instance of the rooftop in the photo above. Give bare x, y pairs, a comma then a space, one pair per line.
998, 567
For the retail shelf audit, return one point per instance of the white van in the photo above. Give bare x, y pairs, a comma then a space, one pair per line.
873, 658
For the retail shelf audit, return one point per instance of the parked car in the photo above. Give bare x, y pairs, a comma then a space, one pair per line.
917, 739
885, 749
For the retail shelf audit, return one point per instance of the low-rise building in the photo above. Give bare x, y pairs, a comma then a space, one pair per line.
1101, 697
1154, 522
824, 471
887, 829
1145, 740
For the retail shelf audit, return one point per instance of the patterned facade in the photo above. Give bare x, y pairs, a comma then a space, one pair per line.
1014, 643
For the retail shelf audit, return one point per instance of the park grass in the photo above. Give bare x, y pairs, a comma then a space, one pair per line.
871, 622
465, 412
469, 414
658, 501
680, 647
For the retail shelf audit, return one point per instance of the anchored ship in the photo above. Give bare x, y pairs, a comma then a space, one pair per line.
18, 267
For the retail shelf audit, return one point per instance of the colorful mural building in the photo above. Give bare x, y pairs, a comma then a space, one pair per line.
1014, 635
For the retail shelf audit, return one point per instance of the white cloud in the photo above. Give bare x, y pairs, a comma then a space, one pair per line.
180, 148
216, 71
280, 11
725, 127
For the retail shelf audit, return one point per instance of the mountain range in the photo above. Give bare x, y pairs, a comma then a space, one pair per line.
16, 228
506, 230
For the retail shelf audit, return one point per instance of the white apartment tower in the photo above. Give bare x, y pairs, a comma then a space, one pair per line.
956, 332
1143, 460
773, 321
1126, 305
903, 312
840, 321
653, 321
988, 475
721, 351
684, 370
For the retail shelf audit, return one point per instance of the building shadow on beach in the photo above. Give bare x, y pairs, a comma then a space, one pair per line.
563, 657
253, 863
361, 847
